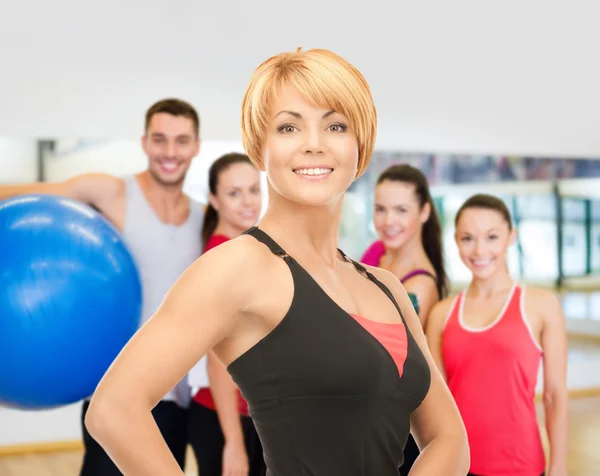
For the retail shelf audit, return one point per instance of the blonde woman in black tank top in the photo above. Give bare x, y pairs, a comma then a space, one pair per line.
330, 355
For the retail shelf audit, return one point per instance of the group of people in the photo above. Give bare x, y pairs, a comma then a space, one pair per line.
166, 231
488, 341
318, 364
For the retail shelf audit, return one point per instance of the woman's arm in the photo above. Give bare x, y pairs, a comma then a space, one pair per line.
426, 291
225, 395
554, 345
436, 425
434, 331
199, 311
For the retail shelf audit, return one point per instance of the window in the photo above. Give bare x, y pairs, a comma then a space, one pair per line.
574, 237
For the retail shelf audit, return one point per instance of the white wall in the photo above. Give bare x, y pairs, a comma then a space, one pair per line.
116, 157
21, 427
583, 326
18, 160
465, 76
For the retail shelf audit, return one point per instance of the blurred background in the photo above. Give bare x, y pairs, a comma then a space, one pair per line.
500, 98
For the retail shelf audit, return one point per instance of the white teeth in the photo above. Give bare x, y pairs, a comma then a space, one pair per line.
481, 263
169, 165
313, 171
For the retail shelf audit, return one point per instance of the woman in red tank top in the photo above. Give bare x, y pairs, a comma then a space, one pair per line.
221, 432
410, 247
489, 341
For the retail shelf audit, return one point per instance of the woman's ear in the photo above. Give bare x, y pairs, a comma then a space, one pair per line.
214, 201
425, 213
513, 236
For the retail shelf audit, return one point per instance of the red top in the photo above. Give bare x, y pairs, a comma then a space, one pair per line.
492, 374
204, 396
214, 241
391, 336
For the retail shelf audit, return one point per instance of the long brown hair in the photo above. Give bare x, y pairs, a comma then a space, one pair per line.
431, 236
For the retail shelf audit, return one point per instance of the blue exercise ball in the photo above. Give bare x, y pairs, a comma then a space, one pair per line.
70, 299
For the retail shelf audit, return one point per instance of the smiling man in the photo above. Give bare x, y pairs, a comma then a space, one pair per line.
162, 227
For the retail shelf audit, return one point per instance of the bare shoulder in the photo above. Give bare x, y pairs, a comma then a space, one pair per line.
439, 313
244, 253
227, 279
540, 297
243, 261
543, 302
390, 280
443, 307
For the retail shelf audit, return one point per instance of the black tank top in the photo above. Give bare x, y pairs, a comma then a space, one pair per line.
325, 395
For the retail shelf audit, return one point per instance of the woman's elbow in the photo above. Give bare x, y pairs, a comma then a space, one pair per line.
461, 447
102, 416
95, 418
464, 453
555, 397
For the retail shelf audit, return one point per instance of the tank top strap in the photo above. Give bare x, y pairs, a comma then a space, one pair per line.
452, 316
417, 272
132, 187
513, 308
267, 240
361, 269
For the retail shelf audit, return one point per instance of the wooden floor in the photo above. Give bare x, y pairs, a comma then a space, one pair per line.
584, 436
584, 455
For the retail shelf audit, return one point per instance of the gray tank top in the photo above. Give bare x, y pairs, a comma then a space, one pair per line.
162, 252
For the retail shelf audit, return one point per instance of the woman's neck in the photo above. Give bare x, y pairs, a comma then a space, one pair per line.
406, 258
499, 282
304, 229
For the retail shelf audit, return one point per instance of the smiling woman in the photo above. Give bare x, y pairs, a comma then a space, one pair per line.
324, 350
410, 246
221, 433
297, 142
490, 340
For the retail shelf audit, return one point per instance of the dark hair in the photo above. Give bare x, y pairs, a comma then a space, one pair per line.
211, 217
488, 202
175, 107
431, 236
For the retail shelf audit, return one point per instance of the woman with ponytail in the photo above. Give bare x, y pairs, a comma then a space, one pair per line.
221, 432
409, 246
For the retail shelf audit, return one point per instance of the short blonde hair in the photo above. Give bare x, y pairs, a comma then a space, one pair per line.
327, 80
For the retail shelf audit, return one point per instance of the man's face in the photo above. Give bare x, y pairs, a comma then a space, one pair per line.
170, 144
